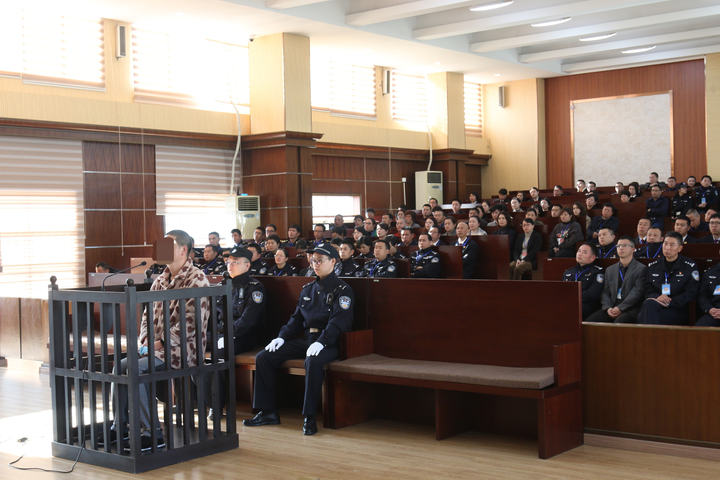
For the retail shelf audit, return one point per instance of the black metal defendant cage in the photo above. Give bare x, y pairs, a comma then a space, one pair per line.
91, 331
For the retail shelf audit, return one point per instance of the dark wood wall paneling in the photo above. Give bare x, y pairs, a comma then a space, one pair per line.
685, 79
121, 219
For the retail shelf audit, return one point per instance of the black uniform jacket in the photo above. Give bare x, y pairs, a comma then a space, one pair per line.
592, 279
649, 250
258, 267
608, 251
429, 260
709, 294
348, 268
325, 304
248, 309
469, 256
287, 271
386, 269
684, 280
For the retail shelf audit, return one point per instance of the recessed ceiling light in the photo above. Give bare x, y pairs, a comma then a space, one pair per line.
551, 22
639, 50
438, 63
180, 14
491, 6
367, 50
598, 37
498, 74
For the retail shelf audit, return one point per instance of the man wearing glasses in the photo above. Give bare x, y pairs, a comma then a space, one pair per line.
622, 295
324, 311
714, 225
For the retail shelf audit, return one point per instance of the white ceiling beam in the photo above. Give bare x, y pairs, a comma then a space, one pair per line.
546, 37
631, 60
405, 10
283, 4
619, 45
585, 7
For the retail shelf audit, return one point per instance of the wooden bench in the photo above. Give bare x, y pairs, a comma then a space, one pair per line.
501, 372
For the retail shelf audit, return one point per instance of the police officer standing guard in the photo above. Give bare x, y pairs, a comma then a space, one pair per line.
324, 311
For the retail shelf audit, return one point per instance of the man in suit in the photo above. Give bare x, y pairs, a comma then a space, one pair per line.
469, 249
714, 236
622, 295
682, 226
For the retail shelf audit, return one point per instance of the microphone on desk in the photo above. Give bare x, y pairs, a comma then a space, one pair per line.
121, 271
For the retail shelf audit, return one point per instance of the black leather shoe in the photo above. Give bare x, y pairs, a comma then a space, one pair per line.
262, 418
310, 426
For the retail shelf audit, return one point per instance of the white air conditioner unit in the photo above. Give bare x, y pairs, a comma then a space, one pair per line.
246, 212
428, 185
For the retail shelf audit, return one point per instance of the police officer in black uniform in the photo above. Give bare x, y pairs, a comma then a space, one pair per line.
708, 299
213, 261
324, 311
347, 266
394, 252
706, 195
469, 249
282, 268
293, 236
257, 266
425, 263
382, 266
248, 309
589, 275
652, 248
606, 243
672, 283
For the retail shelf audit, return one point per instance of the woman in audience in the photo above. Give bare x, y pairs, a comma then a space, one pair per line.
485, 208
532, 213
271, 246
545, 204
301, 248
504, 221
682, 201
358, 233
564, 236
365, 246
634, 189
473, 198
475, 226
625, 196
525, 251
578, 210
281, 267
430, 222
382, 230
521, 197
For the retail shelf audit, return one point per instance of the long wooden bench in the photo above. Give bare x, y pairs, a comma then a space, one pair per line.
505, 371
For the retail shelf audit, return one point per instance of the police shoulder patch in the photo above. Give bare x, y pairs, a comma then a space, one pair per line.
696, 275
344, 302
600, 278
391, 268
263, 271
257, 297
435, 259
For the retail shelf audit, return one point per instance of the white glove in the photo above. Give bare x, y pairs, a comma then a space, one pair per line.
275, 344
314, 349
221, 343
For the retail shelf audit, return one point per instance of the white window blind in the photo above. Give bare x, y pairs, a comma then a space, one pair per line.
181, 70
343, 89
325, 207
42, 231
50, 49
473, 109
409, 97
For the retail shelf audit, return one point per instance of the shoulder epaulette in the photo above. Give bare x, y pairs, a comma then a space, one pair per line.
653, 263
308, 284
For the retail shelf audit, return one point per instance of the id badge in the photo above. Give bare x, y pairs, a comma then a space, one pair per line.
619, 295
717, 290
560, 241
666, 289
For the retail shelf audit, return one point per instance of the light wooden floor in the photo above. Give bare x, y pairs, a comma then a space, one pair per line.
375, 450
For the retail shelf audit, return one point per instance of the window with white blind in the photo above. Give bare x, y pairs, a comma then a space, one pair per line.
42, 232
177, 69
409, 97
473, 109
342, 89
50, 49
325, 207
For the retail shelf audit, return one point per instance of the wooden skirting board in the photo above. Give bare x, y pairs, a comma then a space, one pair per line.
645, 446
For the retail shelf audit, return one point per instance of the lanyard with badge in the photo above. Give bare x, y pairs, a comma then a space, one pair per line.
609, 252
579, 274
647, 252
665, 289
372, 270
526, 240
561, 236
622, 282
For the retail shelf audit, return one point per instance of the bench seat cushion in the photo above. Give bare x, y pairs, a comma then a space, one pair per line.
248, 358
490, 375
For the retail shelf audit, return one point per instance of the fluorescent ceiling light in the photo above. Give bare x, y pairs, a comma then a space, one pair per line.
639, 50
551, 22
491, 6
598, 37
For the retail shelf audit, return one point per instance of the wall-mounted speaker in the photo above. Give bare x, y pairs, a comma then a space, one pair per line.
120, 42
501, 96
386, 81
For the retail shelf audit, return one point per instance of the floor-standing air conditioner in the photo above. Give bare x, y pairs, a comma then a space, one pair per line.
246, 210
428, 185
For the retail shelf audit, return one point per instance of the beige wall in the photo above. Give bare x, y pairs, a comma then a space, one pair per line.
514, 136
712, 99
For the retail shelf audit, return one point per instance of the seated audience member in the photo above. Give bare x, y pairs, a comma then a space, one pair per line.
657, 206
408, 237
672, 283
556, 210
714, 236
359, 220
426, 211
214, 239
521, 197
709, 214
270, 229
682, 226
545, 204
619, 188
259, 235
237, 237
589, 275
525, 251
672, 185
505, 223
691, 182
634, 189
642, 229
474, 223
696, 221
502, 196
257, 266
708, 299
564, 236
339, 222
653, 180
429, 223
388, 220
358, 233
434, 235
400, 223
532, 214
624, 289
535, 194
473, 198
364, 246
515, 205
410, 217
439, 215
469, 249
336, 242
580, 186
337, 232
591, 187
381, 231
558, 191
455, 205
301, 248
213, 262
348, 267
281, 267
394, 242
433, 203
400, 213
485, 208
271, 246
474, 211
706, 195
369, 213
450, 224
293, 235
606, 219
652, 247
681, 201
102, 267
605, 243
318, 233
494, 212
579, 210
382, 266
425, 262
625, 197
591, 201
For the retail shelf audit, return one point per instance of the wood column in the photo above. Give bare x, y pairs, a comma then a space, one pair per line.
451, 161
